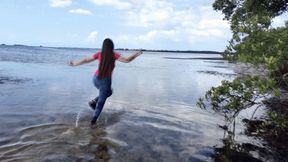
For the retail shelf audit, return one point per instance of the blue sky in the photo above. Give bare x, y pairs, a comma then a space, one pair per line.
150, 24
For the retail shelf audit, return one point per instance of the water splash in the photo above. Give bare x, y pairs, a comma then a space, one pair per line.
78, 118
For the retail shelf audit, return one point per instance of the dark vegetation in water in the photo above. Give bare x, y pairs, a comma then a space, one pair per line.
269, 129
233, 152
216, 73
103, 145
274, 129
218, 62
11, 80
256, 42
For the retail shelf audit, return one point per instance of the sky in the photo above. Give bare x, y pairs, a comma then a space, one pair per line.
146, 24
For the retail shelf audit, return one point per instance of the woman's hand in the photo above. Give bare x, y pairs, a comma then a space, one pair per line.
139, 53
82, 61
71, 63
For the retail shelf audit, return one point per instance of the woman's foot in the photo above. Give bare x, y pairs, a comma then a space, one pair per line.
93, 125
92, 104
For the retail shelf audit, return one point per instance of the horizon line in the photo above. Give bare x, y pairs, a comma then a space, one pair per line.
121, 48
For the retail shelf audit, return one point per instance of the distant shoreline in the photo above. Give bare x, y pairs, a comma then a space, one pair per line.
127, 49
179, 51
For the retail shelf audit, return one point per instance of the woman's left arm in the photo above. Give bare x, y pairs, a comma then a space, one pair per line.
129, 58
82, 61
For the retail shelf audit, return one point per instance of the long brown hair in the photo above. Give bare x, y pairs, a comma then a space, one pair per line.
107, 62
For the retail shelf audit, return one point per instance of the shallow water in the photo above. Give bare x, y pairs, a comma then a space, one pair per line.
151, 116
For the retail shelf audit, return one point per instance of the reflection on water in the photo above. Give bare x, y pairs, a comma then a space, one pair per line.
150, 117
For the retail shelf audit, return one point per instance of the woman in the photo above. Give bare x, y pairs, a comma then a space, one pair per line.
102, 78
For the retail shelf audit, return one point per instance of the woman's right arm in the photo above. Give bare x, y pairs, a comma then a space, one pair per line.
82, 61
127, 59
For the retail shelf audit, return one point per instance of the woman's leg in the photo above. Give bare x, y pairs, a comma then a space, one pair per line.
104, 93
93, 102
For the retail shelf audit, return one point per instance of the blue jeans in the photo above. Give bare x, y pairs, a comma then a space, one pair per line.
105, 91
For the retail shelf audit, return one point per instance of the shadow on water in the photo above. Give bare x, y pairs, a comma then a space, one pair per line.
235, 151
60, 141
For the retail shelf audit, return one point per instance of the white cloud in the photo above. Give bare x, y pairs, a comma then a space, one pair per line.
158, 34
178, 34
60, 3
164, 13
92, 36
149, 12
164, 20
114, 3
279, 21
81, 11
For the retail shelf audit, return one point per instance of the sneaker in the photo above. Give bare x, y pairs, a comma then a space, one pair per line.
92, 104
